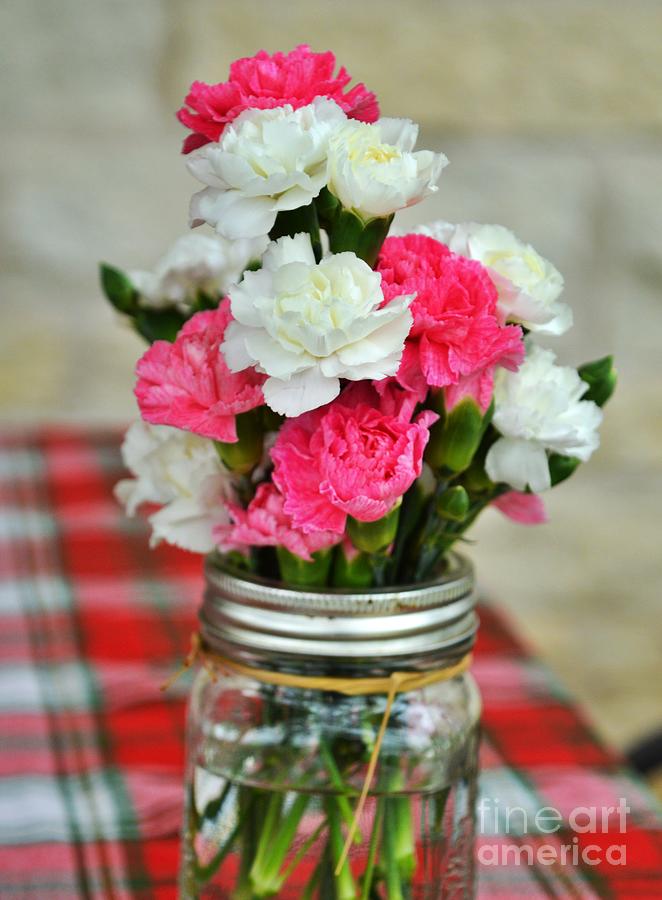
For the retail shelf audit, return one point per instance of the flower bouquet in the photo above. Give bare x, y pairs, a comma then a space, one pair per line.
327, 404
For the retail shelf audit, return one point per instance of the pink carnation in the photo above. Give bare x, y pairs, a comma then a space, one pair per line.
356, 456
263, 82
526, 509
187, 383
266, 524
456, 339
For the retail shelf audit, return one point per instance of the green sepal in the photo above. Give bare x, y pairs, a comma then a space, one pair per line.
294, 221
118, 289
601, 377
475, 478
271, 421
237, 560
561, 467
351, 573
374, 536
348, 231
327, 207
454, 441
303, 573
245, 453
454, 504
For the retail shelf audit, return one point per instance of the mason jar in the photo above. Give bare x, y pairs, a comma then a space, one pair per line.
274, 771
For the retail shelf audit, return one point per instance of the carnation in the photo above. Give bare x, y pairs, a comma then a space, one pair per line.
182, 473
266, 524
539, 409
529, 286
357, 457
374, 171
457, 338
306, 325
187, 383
267, 161
195, 264
265, 81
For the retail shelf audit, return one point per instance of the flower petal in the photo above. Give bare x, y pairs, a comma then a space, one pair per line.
305, 391
525, 509
519, 463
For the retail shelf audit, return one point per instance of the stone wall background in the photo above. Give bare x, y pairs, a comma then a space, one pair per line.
550, 113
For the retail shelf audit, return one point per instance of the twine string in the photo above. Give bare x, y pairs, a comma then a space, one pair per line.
389, 685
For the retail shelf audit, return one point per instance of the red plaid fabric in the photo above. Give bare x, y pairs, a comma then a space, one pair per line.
91, 753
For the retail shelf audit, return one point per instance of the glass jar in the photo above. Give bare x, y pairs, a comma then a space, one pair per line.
274, 771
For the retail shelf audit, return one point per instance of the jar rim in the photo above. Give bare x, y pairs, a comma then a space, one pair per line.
255, 620
456, 580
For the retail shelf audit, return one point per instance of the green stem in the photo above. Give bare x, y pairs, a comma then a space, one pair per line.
369, 873
338, 783
305, 847
392, 868
204, 873
344, 881
405, 844
251, 806
312, 884
278, 832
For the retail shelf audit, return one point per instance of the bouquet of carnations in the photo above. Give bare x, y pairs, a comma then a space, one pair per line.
327, 401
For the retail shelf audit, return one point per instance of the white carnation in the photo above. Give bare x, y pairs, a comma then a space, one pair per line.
267, 160
539, 408
307, 325
373, 171
182, 473
194, 264
529, 286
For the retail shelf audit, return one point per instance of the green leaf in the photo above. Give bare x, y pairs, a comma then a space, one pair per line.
118, 288
561, 467
158, 324
600, 376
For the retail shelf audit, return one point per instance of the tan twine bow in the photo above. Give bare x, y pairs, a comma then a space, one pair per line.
390, 685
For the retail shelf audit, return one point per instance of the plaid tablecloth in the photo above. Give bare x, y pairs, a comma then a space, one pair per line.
91, 752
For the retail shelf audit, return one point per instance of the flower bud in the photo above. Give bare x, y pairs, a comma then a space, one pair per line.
242, 456
454, 441
374, 536
454, 504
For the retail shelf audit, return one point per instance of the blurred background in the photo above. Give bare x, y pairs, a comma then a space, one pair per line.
551, 116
